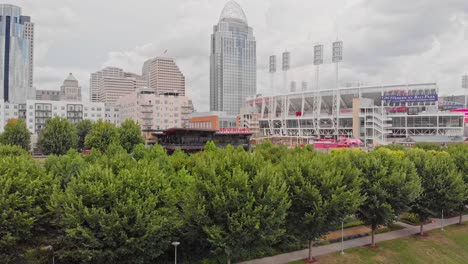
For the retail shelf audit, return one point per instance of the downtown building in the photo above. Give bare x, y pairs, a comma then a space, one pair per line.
163, 76
233, 63
155, 111
16, 55
111, 83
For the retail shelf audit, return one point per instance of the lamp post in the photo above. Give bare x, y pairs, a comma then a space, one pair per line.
442, 221
342, 236
175, 244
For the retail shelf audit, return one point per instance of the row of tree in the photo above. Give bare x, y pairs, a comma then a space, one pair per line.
221, 204
59, 135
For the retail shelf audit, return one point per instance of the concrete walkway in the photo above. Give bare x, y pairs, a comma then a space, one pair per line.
336, 247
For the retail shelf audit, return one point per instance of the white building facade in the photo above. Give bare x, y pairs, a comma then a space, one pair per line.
155, 111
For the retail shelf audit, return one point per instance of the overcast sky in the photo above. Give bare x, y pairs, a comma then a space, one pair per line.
385, 41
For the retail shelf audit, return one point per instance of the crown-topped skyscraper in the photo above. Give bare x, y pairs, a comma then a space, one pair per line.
233, 61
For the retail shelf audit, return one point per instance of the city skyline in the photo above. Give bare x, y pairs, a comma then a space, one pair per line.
409, 47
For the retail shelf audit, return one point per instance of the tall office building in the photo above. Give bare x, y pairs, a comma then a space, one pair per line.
16, 55
164, 76
233, 61
111, 83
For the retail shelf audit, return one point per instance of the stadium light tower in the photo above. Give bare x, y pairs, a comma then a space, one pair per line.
337, 57
318, 60
286, 66
465, 87
272, 71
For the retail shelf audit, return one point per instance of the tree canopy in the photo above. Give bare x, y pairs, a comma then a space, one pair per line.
390, 185
83, 128
16, 133
130, 135
58, 136
101, 136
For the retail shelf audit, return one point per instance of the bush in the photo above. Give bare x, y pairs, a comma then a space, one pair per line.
410, 219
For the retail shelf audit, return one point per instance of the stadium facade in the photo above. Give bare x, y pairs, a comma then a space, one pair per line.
378, 115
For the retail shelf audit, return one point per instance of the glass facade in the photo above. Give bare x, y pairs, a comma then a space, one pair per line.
233, 63
15, 54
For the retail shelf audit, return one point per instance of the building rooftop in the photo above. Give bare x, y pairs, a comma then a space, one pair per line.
232, 10
71, 78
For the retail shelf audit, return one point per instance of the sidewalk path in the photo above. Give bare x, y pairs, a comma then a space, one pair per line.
335, 247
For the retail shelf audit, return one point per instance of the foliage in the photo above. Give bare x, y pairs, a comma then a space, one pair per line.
16, 133
396, 147
428, 146
324, 189
12, 150
442, 185
63, 168
390, 185
459, 154
238, 203
24, 193
83, 128
101, 136
124, 217
58, 136
130, 135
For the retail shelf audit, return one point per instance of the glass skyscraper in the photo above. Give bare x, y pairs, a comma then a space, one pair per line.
233, 61
16, 55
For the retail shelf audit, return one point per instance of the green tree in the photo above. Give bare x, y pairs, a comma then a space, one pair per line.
58, 136
459, 154
130, 135
101, 136
16, 133
128, 217
238, 203
323, 188
428, 146
24, 193
83, 128
442, 186
63, 168
390, 185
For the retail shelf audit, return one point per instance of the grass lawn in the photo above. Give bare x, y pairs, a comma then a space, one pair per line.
450, 246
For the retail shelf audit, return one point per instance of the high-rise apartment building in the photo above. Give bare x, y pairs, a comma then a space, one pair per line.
70, 90
233, 61
164, 76
111, 83
16, 55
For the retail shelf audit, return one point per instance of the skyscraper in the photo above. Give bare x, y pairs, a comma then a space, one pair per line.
164, 76
16, 55
111, 83
233, 61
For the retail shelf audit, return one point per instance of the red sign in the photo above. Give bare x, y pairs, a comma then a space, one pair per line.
298, 113
234, 130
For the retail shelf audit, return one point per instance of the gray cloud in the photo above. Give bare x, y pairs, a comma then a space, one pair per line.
384, 41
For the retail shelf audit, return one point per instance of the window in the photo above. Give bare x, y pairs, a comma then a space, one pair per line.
30, 107
63, 107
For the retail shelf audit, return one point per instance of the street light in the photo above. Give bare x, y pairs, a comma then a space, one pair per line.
342, 236
442, 221
51, 249
175, 244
